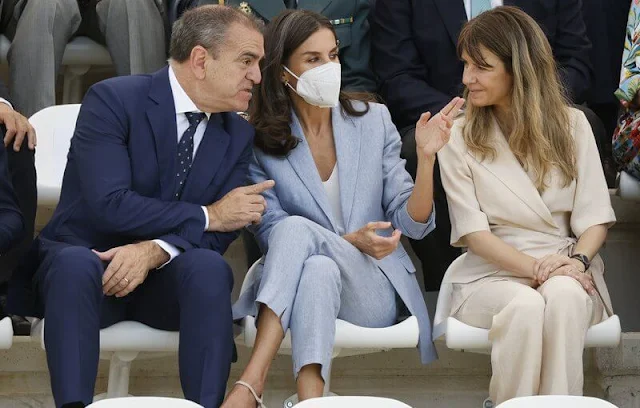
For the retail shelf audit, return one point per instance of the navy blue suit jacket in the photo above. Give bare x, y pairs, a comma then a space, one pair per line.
414, 50
119, 183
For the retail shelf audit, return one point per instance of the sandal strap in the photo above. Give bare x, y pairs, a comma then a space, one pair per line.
253, 392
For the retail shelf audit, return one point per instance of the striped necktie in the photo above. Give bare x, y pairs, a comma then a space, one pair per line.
479, 6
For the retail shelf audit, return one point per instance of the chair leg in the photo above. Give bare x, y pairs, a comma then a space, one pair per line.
72, 86
291, 401
119, 372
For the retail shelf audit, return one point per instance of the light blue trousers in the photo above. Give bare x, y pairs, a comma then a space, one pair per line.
311, 277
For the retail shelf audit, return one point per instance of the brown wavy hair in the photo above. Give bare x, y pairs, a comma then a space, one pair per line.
541, 135
270, 109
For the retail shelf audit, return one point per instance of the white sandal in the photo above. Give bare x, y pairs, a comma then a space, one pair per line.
253, 392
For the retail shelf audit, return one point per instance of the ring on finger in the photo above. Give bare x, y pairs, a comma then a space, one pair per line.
126, 280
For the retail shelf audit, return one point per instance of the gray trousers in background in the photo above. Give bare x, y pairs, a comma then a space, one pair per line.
132, 30
311, 277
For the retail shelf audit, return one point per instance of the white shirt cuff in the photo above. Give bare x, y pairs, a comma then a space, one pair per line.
206, 218
171, 250
2, 100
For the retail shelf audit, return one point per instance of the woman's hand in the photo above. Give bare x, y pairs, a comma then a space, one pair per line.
544, 266
432, 135
369, 242
561, 265
583, 278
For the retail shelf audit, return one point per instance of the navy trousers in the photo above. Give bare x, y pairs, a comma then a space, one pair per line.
191, 294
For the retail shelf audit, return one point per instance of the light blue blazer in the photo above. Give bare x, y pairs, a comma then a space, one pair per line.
374, 186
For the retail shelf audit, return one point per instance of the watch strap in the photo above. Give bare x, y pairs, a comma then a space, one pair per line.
583, 259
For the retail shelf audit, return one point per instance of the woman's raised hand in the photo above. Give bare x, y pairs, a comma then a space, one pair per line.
433, 133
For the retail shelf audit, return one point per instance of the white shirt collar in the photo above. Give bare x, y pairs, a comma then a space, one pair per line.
181, 100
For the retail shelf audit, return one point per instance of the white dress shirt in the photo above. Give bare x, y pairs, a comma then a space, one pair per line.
183, 105
467, 6
332, 187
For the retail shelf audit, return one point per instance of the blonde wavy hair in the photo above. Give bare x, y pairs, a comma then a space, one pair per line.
541, 133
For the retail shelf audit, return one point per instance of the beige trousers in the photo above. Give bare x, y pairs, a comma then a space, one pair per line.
537, 334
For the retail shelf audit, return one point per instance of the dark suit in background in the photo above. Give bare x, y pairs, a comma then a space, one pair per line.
414, 56
606, 21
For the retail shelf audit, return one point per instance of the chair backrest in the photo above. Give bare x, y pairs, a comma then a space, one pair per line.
54, 128
443, 306
144, 402
351, 402
556, 401
629, 187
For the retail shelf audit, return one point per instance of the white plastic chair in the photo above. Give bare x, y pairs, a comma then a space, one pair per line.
144, 402
54, 127
556, 401
629, 187
79, 56
6, 333
350, 340
351, 402
123, 341
461, 336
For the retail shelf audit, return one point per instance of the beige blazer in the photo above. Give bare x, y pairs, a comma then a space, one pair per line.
498, 196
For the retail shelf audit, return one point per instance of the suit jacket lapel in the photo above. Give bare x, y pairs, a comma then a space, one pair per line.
506, 168
209, 157
454, 16
267, 9
305, 167
314, 5
346, 134
161, 113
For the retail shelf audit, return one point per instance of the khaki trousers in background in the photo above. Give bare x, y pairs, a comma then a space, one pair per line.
537, 334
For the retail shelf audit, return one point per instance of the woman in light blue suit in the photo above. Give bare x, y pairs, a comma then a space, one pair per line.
341, 201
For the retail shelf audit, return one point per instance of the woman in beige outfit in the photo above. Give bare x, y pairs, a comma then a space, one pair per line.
528, 198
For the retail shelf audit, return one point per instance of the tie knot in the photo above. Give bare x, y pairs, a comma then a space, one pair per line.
195, 118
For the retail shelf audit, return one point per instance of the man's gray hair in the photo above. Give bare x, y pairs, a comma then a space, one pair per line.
206, 26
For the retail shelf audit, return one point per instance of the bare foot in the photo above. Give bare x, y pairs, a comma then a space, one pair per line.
240, 397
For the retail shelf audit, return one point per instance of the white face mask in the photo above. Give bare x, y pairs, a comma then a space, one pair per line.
319, 86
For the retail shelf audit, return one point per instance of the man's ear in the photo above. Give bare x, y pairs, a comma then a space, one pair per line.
198, 61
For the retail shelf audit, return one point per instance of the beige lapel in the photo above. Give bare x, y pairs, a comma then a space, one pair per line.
506, 168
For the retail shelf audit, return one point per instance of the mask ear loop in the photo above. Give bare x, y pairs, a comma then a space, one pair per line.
286, 81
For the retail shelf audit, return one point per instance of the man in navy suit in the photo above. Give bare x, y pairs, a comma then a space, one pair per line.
414, 56
152, 195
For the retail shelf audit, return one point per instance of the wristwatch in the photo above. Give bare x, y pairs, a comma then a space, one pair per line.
582, 258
